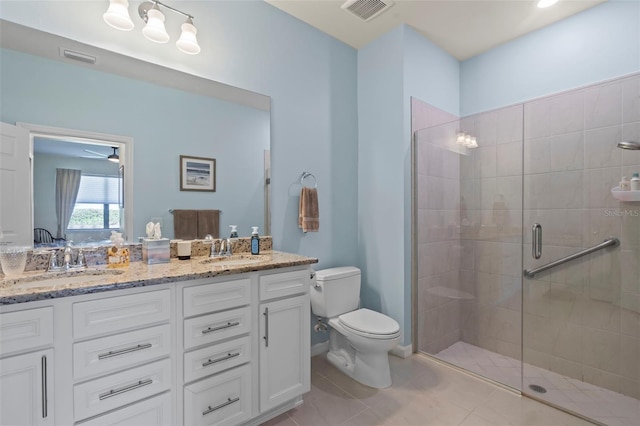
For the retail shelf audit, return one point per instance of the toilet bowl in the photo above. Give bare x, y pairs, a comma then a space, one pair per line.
359, 339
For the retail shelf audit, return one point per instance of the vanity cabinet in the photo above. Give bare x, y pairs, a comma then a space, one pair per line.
26, 367
285, 359
227, 350
26, 389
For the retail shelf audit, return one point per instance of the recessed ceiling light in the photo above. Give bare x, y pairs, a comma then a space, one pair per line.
546, 3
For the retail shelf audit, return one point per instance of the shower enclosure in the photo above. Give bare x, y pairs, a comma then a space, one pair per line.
516, 189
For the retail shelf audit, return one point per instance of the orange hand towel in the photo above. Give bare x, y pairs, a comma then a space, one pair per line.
309, 212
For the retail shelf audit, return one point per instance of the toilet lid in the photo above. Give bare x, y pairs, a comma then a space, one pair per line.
370, 322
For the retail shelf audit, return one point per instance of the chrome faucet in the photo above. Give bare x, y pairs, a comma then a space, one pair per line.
224, 242
67, 259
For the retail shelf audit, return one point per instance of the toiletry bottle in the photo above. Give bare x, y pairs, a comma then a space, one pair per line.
635, 182
234, 231
255, 241
625, 185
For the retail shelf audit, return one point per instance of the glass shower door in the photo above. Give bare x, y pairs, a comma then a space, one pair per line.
581, 318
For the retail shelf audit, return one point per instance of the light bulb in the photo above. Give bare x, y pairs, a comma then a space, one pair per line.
187, 42
117, 15
155, 30
546, 3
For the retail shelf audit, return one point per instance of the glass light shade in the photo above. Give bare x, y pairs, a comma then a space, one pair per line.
155, 30
117, 15
187, 42
472, 143
546, 3
460, 139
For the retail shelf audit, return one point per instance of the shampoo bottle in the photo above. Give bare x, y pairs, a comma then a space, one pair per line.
625, 185
255, 241
635, 182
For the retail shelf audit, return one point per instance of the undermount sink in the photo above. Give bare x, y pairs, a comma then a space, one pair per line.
58, 278
236, 260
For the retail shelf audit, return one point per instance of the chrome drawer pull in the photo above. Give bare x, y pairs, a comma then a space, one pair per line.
217, 407
45, 399
222, 327
114, 392
124, 351
224, 358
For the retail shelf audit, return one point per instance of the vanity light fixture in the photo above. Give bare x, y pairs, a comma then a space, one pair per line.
117, 16
114, 158
466, 140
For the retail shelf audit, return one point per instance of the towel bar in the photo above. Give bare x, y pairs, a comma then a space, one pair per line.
308, 175
172, 210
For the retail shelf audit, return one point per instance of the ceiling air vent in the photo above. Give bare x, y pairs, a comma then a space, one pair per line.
367, 9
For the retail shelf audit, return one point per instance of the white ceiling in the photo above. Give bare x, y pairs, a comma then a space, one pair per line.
463, 28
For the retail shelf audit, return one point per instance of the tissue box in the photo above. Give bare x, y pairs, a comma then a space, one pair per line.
155, 250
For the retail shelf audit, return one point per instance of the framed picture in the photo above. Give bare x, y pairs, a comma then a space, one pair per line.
197, 174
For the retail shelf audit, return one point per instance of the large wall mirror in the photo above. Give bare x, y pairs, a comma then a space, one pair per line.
163, 112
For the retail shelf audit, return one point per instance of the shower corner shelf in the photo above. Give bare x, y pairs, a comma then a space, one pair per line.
626, 196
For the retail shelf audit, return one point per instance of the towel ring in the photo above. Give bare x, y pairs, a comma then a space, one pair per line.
308, 175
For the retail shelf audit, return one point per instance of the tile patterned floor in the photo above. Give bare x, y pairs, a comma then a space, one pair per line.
606, 406
424, 393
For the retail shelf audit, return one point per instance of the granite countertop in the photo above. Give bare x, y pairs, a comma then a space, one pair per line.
40, 285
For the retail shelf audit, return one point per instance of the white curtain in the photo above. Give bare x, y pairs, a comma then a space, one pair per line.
67, 185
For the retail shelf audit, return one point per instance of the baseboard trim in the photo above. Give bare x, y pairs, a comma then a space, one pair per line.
402, 351
320, 348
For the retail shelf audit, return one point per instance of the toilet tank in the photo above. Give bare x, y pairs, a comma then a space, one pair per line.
336, 291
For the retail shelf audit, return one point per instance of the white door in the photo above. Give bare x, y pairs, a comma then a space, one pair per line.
26, 389
285, 362
15, 186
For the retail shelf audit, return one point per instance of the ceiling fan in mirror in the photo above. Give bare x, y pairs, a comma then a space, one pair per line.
114, 157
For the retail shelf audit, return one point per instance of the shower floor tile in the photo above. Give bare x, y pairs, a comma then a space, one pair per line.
603, 405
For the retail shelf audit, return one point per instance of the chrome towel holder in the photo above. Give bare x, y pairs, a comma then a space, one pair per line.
306, 175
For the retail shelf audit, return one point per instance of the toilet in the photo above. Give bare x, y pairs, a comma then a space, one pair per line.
359, 339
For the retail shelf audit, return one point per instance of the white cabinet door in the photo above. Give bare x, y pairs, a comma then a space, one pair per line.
26, 389
284, 351
15, 185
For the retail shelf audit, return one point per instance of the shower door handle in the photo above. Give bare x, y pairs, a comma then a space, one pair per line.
536, 241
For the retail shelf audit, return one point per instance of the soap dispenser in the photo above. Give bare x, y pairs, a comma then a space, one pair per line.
255, 240
234, 231
635, 182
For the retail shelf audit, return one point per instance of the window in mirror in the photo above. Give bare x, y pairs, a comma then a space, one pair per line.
97, 205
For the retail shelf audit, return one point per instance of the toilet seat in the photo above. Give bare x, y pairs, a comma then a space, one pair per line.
371, 324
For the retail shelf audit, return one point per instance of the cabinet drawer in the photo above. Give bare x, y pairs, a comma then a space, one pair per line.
26, 329
214, 327
107, 354
285, 284
114, 314
216, 358
213, 297
152, 412
116, 390
224, 399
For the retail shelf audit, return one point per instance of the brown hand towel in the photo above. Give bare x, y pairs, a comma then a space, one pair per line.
185, 224
309, 212
208, 223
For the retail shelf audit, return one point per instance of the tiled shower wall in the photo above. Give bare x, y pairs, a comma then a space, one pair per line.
491, 232
581, 320
437, 185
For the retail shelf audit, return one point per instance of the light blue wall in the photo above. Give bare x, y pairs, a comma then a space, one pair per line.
46, 92
310, 77
598, 44
398, 65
